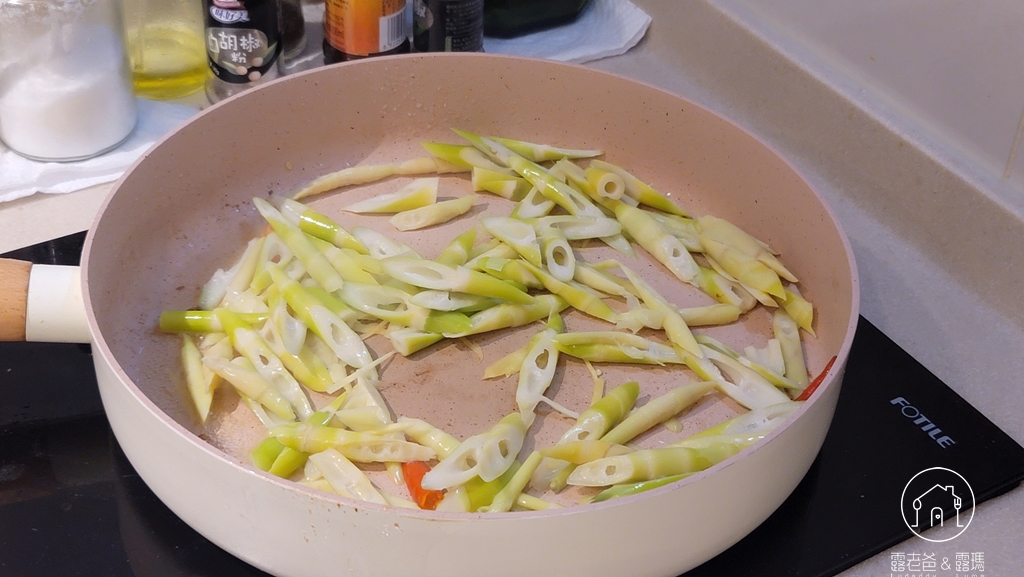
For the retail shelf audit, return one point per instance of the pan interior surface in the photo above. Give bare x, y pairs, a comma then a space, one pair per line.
185, 210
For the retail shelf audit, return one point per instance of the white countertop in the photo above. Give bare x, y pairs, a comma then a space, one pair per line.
933, 289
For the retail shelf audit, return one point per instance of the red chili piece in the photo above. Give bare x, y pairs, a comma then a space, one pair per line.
806, 393
413, 472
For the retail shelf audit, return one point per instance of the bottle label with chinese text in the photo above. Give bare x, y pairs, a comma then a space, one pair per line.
242, 38
448, 25
365, 27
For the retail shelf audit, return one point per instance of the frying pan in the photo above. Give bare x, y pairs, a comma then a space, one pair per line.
184, 210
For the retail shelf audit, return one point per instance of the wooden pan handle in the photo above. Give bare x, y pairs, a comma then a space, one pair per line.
41, 303
13, 298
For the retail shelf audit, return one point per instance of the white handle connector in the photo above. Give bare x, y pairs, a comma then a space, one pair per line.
56, 311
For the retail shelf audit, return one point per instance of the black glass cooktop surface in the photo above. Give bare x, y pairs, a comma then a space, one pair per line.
71, 504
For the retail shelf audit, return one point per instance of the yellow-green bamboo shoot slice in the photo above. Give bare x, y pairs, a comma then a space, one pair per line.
744, 385
500, 183
243, 376
723, 290
365, 174
545, 152
312, 259
349, 265
604, 414
487, 455
685, 229
200, 321
420, 192
317, 224
580, 299
641, 191
533, 205
666, 248
788, 334
458, 250
198, 377
769, 356
508, 365
774, 377
516, 233
512, 491
573, 172
509, 315
673, 324
268, 364
345, 478
710, 315
464, 156
238, 277
729, 234
510, 270
538, 370
616, 347
407, 340
601, 281
429, 436
381, 246
434, 275
606, 184
314, 438
500, 250
747, 427
656, 411
747, 270
556, 253
626, 489
341, 339
580, 227
580, 452
345, 177
799, 308
573, 201
644, 465
432, 214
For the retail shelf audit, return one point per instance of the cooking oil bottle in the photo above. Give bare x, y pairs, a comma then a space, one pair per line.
165, 47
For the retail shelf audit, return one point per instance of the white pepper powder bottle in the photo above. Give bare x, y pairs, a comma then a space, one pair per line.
243, 45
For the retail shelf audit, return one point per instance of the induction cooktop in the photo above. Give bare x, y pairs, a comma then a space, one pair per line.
71, 504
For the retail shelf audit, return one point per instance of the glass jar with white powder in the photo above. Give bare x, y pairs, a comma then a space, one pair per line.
65, 84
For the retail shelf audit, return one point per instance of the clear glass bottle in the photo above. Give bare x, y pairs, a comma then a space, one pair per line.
166, 47
65, 86
243, 45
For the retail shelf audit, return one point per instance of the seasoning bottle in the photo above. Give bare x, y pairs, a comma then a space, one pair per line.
448, 25
293, 29
243, 43
165, 46
356, 29
65, 88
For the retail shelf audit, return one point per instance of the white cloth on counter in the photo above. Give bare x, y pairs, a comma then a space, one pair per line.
604, 28
20, 177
